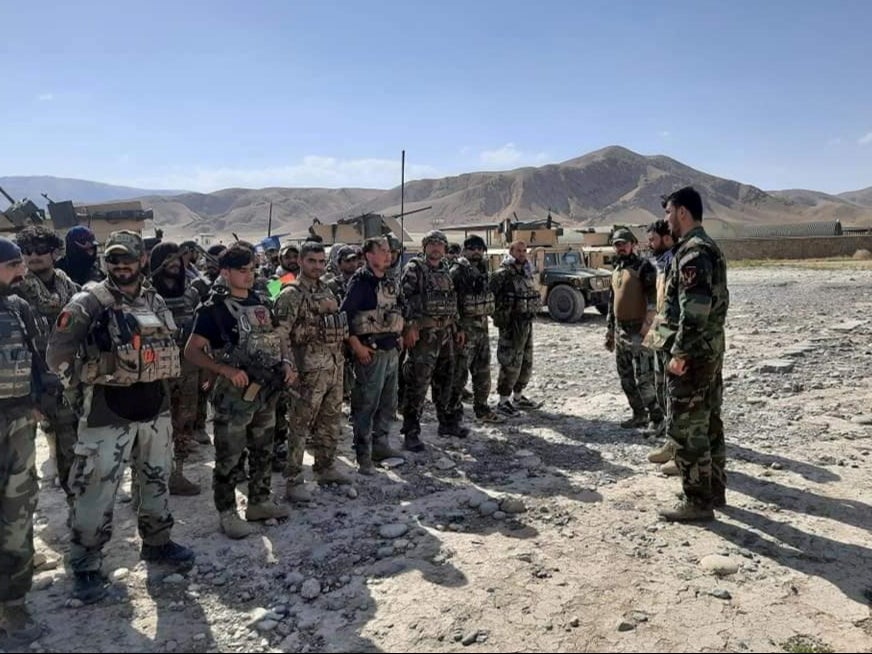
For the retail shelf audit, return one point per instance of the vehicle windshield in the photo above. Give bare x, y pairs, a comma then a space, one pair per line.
571, 259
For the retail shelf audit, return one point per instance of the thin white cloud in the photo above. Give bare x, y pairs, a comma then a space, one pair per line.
510, 155
45, 97
665, 134
836, 140
866, 139
311, 171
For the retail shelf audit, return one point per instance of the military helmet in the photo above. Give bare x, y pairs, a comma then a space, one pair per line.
434, 236
623, 235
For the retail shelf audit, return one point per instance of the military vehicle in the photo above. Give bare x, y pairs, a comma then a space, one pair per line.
19, 214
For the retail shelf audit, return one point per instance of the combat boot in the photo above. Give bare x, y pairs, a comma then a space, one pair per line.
412, 442
524, 402
235, 527
17, 626
170, 553
89, 587
638, 420
453, 429
265, 511
296, 491
662, 454
382, 450
180, 485
365, 465
486, 414
507, 408
687, 511
332, 475
670, 469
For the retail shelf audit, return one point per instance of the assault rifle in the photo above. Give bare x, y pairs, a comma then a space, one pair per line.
263, 373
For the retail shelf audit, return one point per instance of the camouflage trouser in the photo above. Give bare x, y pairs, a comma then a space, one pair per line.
515, 356
184, 395
661, 358
241, 425
473, 358
429, 363
316, 414
635, 365
62, 424
374, 400
695, 426
18, 495
202, 400
102, 454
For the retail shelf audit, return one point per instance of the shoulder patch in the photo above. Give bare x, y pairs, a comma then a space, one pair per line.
689, 276
63, 320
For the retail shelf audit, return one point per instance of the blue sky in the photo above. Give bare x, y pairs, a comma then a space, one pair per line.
205, 95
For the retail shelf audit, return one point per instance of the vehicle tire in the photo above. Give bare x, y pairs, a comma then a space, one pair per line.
565, 304
603, 308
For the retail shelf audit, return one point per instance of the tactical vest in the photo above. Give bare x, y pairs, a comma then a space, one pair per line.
142, 342
440, 298
321, 320
256, 331
46, 303
523, 296
16, 359
183, 307
476, 299
386, 318
630, 303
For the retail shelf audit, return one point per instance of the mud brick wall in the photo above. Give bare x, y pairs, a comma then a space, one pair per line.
805, 247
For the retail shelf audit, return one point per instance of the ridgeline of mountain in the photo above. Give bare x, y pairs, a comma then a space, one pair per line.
77, 190
611, 185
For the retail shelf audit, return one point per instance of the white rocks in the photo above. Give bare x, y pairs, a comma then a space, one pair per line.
351, 491
174, 578
848, 325
393, 530
267, 625
865, 419
73, 603
721, 593
443, 463
310, 589
488, 508
119, 573
393, 462
719, 565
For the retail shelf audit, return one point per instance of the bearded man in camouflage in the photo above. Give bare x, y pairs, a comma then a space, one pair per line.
691, 330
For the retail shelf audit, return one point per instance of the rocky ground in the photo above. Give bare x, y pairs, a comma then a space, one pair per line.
541, 534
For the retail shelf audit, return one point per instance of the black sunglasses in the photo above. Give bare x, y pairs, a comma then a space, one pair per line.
39, 249
121, 259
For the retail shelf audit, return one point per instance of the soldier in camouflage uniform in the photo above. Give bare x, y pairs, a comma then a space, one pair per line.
182, 298
116, 337
235, 337
347, 261
632, 304
48, 290
691, 330
475, 303
430, 312
516, 303
309, 317
18, 487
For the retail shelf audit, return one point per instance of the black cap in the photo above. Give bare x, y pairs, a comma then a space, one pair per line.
474, 241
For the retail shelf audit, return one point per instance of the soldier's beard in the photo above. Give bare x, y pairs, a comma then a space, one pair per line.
124, 279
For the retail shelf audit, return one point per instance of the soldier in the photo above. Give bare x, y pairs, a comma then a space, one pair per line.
18, 487
660, 242
516, 303
212, 272
47, 290
430, 332
251, 365
182, 298
691, 330
375, 324
289, 260
116, 337
395, 270
309, 316
632, 304
347, 263
475, 303
80, 260
452, 253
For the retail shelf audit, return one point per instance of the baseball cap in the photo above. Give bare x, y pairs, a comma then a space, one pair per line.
124, 242
623, 235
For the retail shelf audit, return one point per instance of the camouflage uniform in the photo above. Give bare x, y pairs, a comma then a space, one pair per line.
338, 284
516, 303
308, 313
18, 486
661, 358
634, 294
61, 421
123, 350
430, 305
475, 302
691, 327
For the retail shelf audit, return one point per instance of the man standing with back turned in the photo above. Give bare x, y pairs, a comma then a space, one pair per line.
691, 330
